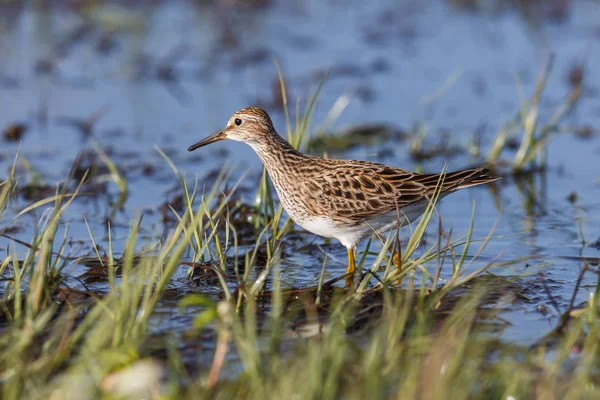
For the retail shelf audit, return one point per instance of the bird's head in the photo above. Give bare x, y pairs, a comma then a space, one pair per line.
249, 125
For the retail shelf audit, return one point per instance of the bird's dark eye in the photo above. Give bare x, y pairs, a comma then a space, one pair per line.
237, 121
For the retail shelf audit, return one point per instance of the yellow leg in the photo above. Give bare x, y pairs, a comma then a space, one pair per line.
397, 260
351, 262
351, 268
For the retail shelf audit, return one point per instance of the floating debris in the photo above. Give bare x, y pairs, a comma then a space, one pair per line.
14, 132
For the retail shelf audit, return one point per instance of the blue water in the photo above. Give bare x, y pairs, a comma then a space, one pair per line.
404, 63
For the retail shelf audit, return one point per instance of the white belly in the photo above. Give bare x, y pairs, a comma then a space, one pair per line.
349, 236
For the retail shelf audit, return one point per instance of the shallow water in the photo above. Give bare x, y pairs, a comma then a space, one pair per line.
174, 72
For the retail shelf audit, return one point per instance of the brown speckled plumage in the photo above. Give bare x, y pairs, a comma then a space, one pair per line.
343, 199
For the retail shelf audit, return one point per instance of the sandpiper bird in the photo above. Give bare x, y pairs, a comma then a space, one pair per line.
340, 199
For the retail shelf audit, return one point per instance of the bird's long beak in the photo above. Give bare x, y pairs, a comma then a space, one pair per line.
215, 137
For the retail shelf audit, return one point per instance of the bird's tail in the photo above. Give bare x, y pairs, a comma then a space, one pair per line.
477, 176
459, 179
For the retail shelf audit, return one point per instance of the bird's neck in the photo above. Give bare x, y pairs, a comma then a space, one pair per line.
275, 152
282, 162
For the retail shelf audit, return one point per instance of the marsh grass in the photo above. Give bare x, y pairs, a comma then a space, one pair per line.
432, 336
408, 333
425, 339
413, 351
536, 133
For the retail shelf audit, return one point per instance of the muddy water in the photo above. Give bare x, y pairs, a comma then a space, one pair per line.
132, 77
